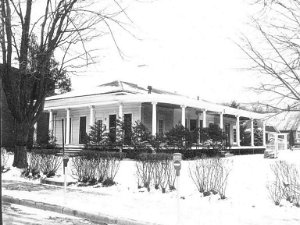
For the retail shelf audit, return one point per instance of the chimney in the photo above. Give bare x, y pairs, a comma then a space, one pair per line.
149, 89
198, 98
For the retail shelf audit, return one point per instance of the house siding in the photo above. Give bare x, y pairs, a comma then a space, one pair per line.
100, 113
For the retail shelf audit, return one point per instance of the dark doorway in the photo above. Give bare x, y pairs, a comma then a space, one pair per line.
127, 128
112, 128
82, 130
227, 132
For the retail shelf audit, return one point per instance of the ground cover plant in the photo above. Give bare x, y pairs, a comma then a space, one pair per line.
286, 183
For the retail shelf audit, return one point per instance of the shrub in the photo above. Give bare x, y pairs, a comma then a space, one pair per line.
180, 137
156, 169
97, 137
84, 169
97, 167
4, 159
286, 184
210, 175
43, 161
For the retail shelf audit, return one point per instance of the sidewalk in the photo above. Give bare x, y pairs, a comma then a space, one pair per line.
46, 197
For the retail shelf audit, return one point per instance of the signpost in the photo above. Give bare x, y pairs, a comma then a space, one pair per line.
177, 157
65, 161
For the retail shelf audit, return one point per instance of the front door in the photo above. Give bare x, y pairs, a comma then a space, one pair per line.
82, 130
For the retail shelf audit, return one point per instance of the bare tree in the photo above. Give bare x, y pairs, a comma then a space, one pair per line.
275, 52
63, 24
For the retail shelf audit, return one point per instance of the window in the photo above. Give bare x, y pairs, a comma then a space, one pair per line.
127, 128
82, 129
160, 127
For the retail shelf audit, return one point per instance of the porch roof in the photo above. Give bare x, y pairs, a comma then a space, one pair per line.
63, 102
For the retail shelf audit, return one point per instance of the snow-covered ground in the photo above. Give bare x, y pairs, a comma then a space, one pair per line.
247, 200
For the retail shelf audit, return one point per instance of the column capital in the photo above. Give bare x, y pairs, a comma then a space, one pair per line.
237, 116
50, 110
91, 106
154, 103
67, 109
183, 106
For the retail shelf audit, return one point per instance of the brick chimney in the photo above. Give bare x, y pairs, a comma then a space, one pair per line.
149, 89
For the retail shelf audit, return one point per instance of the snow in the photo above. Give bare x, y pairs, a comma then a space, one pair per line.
247, 199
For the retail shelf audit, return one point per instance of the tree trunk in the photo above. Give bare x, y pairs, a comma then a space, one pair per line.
20, 156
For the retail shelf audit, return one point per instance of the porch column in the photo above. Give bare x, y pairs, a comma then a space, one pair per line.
238, 130
92, 117
204, 118
183, 115
252, 133
199, 124
264, 132
51, 121
154, 118
221, 121
68, 127
35, 132
121, 111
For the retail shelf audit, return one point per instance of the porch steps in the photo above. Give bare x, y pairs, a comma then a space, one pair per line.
71, 150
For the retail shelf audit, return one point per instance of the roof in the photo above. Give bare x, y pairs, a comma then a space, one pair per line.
116, 86
124, 92
285, 121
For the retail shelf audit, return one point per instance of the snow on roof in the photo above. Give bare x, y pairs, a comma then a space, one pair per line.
116, 86
289, 120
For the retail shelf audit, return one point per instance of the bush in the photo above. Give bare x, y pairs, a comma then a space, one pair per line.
210, 175
97, 137
43, 161
93, 167
4, 159
286, 184
156, 169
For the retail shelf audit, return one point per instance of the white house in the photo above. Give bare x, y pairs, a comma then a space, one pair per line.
158, 110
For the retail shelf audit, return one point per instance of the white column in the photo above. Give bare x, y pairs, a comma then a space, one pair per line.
238, 130
154, 118
264, 133
35, 132
199, 138
252, 133
92, 117
121, 111
204, 118
68, 127
183, 115
51, 121
221, 121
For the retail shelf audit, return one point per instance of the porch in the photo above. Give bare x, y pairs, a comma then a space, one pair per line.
159, 113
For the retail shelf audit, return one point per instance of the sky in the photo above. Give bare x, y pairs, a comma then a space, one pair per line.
184, 46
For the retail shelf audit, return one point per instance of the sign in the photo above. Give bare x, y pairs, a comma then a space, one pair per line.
65, 164
177, 163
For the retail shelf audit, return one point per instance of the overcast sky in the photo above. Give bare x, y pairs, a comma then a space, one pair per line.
183, 45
